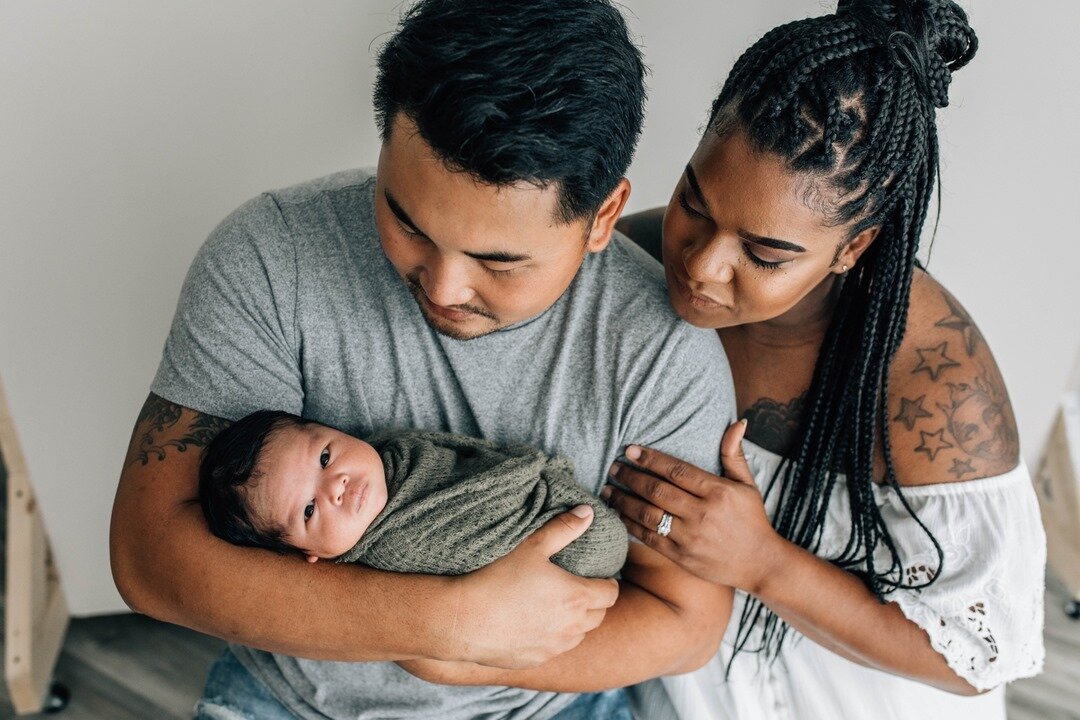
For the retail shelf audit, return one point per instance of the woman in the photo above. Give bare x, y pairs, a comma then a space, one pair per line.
881, 531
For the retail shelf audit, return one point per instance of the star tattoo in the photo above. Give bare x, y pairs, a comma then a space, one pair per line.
933, 443
911, 411
959, 321
934, 360
960, 468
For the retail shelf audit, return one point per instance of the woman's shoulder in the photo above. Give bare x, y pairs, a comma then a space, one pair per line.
950, 419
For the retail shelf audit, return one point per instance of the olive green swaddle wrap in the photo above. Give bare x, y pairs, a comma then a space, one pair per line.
457, 503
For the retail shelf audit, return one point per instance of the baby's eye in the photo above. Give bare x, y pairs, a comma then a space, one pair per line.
324, 459
309, 510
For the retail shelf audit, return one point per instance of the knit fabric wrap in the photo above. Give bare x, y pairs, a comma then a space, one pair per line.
458, 503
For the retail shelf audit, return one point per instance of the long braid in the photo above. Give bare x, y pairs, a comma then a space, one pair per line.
850, 98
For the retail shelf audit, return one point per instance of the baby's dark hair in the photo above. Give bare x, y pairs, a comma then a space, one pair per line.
228, 467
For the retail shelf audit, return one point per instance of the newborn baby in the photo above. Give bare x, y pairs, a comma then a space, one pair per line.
409, 501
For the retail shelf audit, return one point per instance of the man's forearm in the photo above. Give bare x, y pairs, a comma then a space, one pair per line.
337, 612
644, 635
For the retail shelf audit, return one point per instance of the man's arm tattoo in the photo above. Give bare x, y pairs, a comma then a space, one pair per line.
160, 418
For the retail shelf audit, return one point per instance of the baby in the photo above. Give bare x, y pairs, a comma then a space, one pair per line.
409, 501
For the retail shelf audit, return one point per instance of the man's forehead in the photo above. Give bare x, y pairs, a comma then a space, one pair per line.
450, 205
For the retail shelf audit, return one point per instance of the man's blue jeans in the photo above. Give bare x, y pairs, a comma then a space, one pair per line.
231, 693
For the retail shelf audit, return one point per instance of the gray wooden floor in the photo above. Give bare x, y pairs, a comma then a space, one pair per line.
129, 667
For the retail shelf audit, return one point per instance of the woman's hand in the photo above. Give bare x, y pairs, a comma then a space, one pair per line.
719, 529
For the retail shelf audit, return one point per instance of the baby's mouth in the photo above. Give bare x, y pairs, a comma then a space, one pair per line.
360, 496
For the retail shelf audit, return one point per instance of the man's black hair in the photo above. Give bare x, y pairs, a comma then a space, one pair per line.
508, 91
228, 466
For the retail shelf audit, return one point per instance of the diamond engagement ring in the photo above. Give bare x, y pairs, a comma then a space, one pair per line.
663, 528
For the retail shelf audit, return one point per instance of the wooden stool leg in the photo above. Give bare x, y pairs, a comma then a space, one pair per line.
35, 610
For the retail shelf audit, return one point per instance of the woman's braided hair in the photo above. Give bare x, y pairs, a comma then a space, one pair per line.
850, 98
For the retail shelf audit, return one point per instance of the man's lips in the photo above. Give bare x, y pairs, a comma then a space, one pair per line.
443, 312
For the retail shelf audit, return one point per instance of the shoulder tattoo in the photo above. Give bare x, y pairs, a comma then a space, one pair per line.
967, 423
159, 427
958, 320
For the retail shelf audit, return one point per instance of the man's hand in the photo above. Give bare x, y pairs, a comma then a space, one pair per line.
522, 610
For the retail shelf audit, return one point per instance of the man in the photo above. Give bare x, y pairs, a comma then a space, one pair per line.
469, 286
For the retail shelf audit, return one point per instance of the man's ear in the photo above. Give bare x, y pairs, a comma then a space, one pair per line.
851, 252
606, 217
312, 558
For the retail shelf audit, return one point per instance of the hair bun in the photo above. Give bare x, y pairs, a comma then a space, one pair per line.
931, 38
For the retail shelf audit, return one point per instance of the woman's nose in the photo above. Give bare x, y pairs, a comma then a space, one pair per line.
709, 261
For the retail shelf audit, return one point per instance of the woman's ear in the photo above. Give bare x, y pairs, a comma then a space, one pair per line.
851, 252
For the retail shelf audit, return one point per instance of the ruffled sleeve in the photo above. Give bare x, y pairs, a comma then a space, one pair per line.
984, 612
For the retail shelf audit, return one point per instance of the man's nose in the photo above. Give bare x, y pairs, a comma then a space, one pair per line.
446, 282
711, 260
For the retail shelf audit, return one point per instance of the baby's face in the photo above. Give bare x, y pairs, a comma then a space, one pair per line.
322, 486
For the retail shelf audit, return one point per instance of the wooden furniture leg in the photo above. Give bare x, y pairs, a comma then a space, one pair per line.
35, 611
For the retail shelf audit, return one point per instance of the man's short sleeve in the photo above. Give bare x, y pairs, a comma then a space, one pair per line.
685, 400
233, 346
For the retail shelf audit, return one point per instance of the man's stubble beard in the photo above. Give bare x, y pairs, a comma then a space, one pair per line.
435, 322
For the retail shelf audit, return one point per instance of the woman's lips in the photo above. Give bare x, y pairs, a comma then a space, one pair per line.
699, 301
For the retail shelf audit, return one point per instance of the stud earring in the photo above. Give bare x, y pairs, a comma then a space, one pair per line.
843, 268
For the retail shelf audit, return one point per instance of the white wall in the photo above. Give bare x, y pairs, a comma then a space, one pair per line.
129, 129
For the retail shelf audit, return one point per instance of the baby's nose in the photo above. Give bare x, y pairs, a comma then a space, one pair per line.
337, 490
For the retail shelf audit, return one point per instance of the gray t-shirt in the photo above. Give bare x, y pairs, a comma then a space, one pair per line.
291, 304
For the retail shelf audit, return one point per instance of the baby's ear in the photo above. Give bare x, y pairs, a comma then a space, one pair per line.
312, 558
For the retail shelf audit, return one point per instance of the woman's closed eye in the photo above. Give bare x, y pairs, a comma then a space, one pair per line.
689, 209
762, 262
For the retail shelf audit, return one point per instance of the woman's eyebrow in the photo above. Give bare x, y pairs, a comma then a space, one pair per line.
771, 242
695, 187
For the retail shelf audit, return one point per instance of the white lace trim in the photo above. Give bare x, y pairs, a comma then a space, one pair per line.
984, 615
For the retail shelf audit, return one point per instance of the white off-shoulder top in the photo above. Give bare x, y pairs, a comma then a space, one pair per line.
984, 615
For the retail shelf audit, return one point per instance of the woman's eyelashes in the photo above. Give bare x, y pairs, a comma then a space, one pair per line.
688, 208
761, 263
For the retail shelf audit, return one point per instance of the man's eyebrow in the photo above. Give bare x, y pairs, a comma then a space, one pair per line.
497, 256
400, 213
771, 242
692, 179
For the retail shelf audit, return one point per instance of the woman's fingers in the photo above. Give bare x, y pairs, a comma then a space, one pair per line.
678, 472
731, 454
655, 490
633, 508
663, 545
